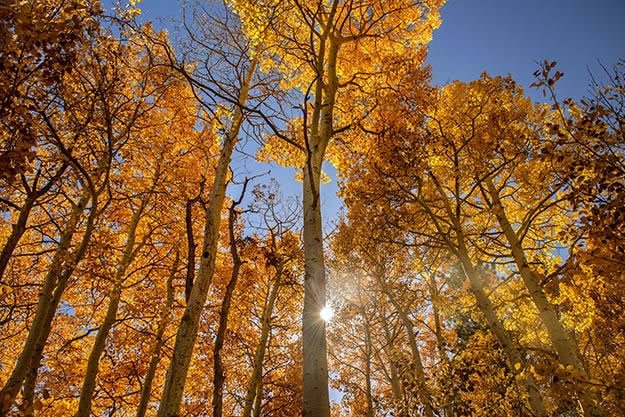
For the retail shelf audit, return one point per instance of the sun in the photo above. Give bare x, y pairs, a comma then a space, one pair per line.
326, 313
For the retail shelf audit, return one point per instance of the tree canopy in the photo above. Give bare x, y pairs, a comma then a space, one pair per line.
152, 266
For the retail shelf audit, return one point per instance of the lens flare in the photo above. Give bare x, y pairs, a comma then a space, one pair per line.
326, 313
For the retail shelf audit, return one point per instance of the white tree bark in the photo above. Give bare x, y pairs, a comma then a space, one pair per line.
562, 342
188, 327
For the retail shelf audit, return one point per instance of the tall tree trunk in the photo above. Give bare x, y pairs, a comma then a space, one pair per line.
89, 382
316, 396
188, 327
218, 371
416, 355
441, 347
563, 343
511, 350
396, 388
159, 341
459, 248
368, 350
259, 354
61, 283
15, 380
258, 403
438, 328
414, 348
191, 245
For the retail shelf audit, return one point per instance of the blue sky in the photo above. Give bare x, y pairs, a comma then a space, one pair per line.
505, 36
508, 36
499, 36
